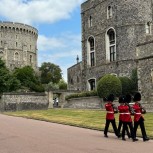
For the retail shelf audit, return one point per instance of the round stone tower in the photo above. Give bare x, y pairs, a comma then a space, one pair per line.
18, 45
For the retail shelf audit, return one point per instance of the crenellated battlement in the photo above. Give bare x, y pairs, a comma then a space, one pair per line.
19, 27
18, 44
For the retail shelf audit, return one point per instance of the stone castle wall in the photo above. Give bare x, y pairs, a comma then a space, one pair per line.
84, 103
23, 101
145, 72
75, 77
128, 20
18, 44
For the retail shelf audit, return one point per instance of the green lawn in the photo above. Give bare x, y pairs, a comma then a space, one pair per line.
93, 119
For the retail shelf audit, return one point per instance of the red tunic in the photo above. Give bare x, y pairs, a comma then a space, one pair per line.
127, 114
110, 111
121, 110
138, 112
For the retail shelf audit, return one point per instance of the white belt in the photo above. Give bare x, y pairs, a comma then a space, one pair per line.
137, 113
109, 112
125, 113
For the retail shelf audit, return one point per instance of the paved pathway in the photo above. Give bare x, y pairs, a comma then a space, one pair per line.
19, 135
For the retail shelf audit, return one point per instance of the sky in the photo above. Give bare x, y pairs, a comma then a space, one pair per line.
59, 27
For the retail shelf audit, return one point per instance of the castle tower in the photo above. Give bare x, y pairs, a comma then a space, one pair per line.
111, 31
18, 45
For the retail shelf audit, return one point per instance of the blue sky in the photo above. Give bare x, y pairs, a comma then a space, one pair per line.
58, 23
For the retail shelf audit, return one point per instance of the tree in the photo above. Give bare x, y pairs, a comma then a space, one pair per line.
127, 85
51, 86
62, 84
28, 78
8, 82
134, 78
50, 73
109, 84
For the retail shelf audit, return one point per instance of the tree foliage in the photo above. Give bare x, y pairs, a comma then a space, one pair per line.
28, 78
51, 86
127, 85
134, 78
109, 84
62, 84
50, 73
8, 82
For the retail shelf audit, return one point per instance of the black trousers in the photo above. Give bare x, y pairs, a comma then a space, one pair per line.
130, 125
113, 125
142, 127
120, 125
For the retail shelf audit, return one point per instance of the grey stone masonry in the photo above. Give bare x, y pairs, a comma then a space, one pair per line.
127, 25
85, 103
145, 72
129, 20
23, 101
18, 44
75, 77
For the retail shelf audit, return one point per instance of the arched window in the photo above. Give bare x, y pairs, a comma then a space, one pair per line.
109, 12
111, 45
91, 50
90, 21
148, 28
16, 56
30, 58
78, 80
71, 81
92, 84
1, 54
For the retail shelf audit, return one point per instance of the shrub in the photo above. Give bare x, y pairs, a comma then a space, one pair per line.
134, 78
62, 84
109, 84
127, 85
36, 87
82, 94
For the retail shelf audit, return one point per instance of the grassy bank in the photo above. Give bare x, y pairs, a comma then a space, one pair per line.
93, 119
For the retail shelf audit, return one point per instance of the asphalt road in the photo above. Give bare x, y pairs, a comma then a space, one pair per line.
20, 135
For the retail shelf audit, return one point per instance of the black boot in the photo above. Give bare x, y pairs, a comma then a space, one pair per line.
146, 139
135, 139
123, 139
105, 135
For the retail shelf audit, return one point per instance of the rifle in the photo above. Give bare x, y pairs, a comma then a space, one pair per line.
131, 109
115, 108
142, 109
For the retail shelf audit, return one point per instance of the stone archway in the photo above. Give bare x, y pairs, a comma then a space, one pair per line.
61, 97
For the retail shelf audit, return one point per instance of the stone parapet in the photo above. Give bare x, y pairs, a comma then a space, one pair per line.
23, 101
84, 103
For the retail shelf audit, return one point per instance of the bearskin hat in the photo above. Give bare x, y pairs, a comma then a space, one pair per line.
137, 97
121, 99
110, 97
128, 98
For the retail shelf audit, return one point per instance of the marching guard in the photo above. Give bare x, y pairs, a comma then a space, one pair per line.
121, 115
127, 120
111, 109
138, 118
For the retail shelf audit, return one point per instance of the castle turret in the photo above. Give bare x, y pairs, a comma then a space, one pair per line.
18, 44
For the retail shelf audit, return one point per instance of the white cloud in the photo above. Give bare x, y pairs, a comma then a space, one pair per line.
46, 43
63, 42
61, 50
37, 11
